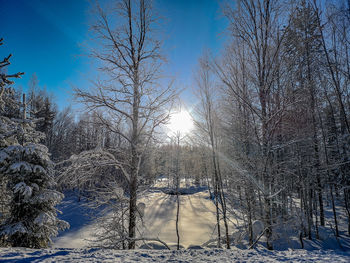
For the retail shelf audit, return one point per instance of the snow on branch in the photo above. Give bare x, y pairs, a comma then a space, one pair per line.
85, 165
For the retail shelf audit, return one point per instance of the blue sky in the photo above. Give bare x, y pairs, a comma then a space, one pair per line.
45, 38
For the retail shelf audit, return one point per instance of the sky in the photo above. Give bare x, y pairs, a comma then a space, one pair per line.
47, 37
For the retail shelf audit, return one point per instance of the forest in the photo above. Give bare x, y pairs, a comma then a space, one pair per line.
266, 145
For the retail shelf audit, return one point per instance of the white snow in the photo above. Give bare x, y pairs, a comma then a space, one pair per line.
3, 157
45, 219
78, 239
16, 167
197, 220
258, 227
197, 226
81, 226
38, 169
24, 189
184, 256
15, 228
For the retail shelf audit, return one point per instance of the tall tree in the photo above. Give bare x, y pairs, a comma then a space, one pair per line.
131, 60
209, 125
9, 108
41, 107
26, 169
303, 47
257, 24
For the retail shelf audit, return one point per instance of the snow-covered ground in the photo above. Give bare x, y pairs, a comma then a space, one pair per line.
81, 223
197, 225
78, 239
141, 255
197, 221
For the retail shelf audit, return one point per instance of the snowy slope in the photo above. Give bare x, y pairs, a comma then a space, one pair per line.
203, 255
80, 218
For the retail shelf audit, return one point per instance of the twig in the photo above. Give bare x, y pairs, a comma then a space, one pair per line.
256, 241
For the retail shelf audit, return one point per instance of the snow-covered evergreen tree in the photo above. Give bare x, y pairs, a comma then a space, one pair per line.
9, 108
8, 129
27, 171
32, 221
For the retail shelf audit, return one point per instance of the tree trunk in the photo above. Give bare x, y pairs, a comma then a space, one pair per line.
250, 225
177, 219
134, 161
132, 211
334, 211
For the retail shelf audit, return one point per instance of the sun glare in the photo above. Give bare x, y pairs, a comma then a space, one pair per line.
180, 122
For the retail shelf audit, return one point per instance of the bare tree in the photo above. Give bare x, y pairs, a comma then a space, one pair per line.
129, 96
177, 186
257, 25
209, 126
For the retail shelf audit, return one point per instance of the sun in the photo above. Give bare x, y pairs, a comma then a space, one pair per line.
180, 122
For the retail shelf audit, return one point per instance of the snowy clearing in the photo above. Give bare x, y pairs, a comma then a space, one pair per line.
197, 222
203, 255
